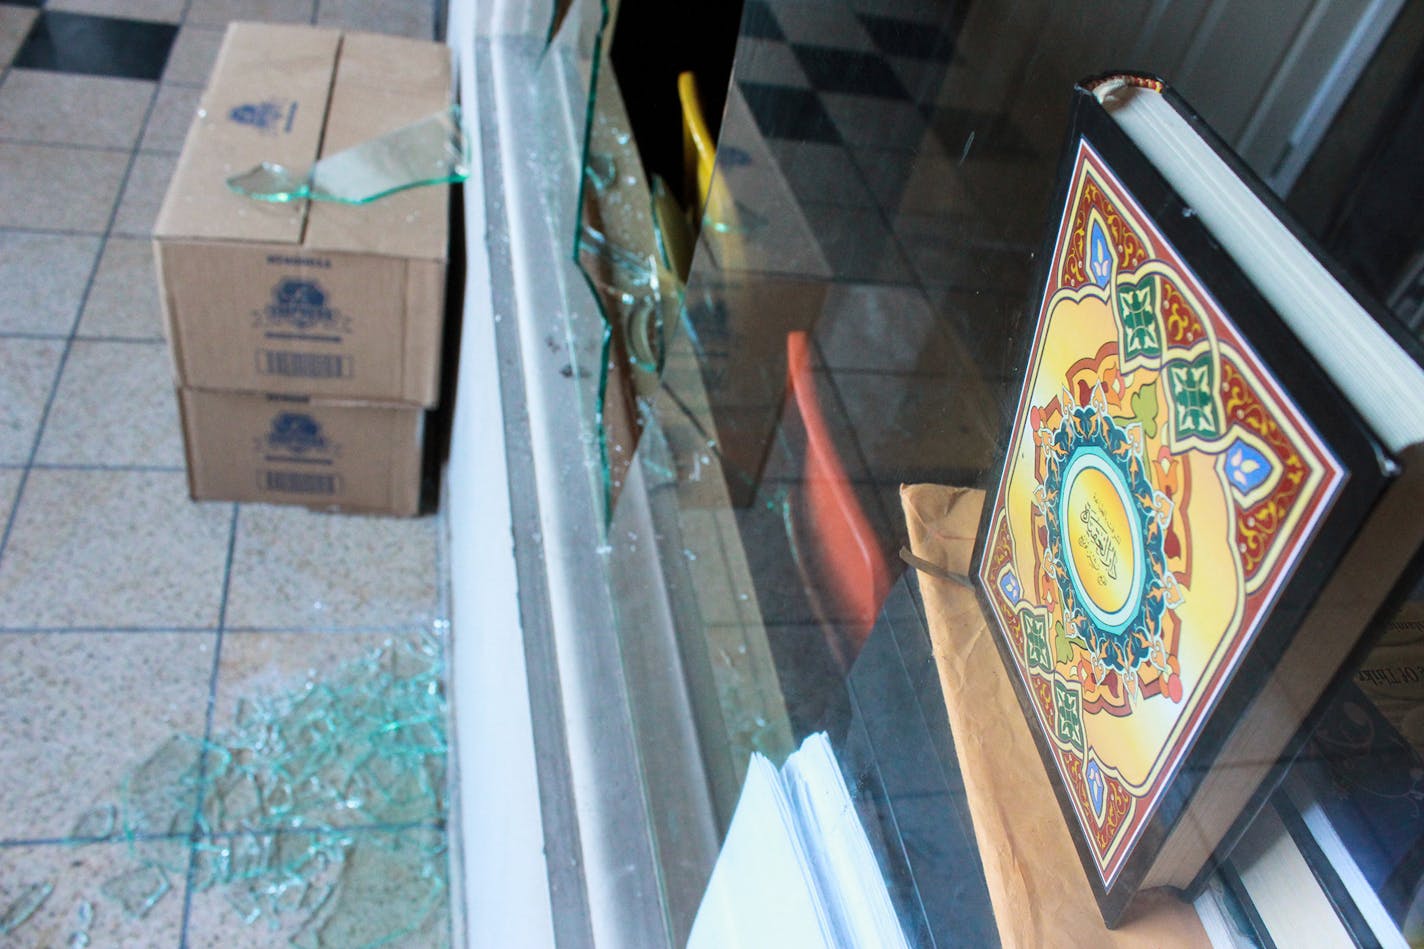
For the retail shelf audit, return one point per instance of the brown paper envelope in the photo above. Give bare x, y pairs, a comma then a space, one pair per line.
1036, 883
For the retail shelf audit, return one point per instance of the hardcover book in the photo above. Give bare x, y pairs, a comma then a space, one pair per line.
1208, 490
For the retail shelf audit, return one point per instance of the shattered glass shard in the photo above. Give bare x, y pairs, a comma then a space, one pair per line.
23, 906
137, 891
385, 870
602, 170
159, 795
97, 823
430, 151
287, 801
84, 917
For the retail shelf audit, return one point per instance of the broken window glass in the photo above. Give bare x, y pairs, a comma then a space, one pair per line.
23, 906
319, 811
428, 152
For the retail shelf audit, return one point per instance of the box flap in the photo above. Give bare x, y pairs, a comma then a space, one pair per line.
267, 101
384, 83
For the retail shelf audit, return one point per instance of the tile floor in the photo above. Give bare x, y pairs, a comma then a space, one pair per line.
128, 613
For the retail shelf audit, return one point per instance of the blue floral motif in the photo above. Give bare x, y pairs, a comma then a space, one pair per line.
1099, 255
1097, 787
1009, 584
1247, 467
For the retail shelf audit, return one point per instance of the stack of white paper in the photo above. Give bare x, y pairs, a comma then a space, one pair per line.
796, 868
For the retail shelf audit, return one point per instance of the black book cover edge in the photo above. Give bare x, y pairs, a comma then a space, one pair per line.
1336, 421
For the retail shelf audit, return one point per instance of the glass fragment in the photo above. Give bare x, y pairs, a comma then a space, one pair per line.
428, 152
137, 890
97, 823
287, 795
23, 906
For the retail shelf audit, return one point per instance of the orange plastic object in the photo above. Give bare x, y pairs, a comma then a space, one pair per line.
849, 572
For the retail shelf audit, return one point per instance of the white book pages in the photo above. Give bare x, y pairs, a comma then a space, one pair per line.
796, 868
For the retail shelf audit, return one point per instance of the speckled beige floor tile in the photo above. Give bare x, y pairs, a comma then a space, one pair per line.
172, 114
219, 12
367, 916
143, 194
123, 301
115, 406
65, 109
27, 372
53, 187
295, 568
14, 27
42, 280
113, 549
261, 664
191, 58
83, 711
161, 11
78, 875
397, 17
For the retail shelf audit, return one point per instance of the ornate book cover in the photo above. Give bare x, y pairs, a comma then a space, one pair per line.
1173, 488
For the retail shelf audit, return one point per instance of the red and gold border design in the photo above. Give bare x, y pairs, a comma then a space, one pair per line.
1237, 477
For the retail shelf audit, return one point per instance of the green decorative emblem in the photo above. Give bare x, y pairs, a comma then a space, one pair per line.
1137, 308
1193, 387
1068, 706
1036, 646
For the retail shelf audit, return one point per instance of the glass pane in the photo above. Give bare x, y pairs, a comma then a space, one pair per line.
851, 321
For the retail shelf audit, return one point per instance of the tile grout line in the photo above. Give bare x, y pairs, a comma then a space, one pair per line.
74, 146
19, 493
208, 715
85, 338
81, 841
355, 829
81, 466
187, 912
52, 231
228, 630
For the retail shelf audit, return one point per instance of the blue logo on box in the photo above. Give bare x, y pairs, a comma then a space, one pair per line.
300, 304
270, 116
297, 433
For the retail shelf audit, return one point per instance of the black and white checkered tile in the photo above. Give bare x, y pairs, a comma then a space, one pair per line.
851, 100
816, 73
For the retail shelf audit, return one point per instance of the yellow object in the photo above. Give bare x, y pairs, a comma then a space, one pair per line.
698, 149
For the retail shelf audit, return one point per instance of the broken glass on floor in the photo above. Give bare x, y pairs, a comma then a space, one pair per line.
318, 813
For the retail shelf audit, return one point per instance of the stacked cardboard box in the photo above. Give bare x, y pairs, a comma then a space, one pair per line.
305, 335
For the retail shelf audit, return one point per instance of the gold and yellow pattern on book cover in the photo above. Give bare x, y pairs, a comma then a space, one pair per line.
1159, 488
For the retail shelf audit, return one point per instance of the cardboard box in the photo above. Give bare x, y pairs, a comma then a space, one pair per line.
348, 456
309, 298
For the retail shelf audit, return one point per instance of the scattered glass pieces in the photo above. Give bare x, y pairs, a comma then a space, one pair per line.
428, 152
319, 812
385, 871
30, 898
137, 890
601, 170
84, 916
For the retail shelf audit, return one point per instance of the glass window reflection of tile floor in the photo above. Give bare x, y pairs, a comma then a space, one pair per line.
128, 613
